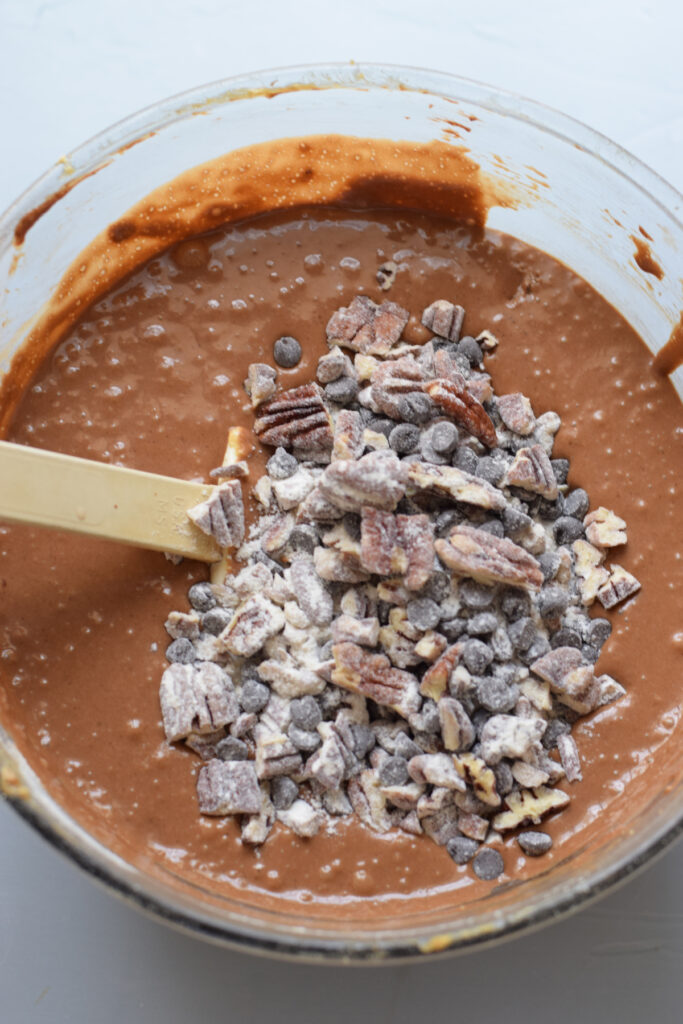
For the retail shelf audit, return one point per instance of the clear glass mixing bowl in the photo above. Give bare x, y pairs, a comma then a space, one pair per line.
583, 198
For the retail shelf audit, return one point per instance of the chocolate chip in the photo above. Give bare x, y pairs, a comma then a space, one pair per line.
381, 425
283, 792
407, 748
590, 654
303, 739
522, 632
416, 408
446, 520
551, 510
536, 650
475, 596
465, 459
514, 603
404, 438
549, 562
287, 352
462, 849
201, 597
306, 713
364, 740
505, 781
479, 719
514, 521
443, 437
576, 503
453, 628
552, 601
566, 529
555, 727
482, 624
471, 350
303, 540
232, 749
342, 391
598, 632
502, 645
394, 772
215, 620
437, 587
494, 695
423, 613
492, 470
560, 469
565, 637
254, 696
534, 844
488, 864
477, 656
494, 527
181, 651
281, 465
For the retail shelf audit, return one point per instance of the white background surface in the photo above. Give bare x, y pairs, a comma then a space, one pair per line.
68, 68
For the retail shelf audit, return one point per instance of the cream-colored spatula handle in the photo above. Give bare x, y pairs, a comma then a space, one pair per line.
150, 511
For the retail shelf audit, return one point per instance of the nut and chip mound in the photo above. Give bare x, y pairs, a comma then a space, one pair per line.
408, 639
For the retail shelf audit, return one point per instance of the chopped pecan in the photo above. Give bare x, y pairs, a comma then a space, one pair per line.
445, 366
489, 559
254, 621
366, 327
604, 528
328, 765
529, 806
303, 819
195, 700
339, 538
444, 319
399, 648
295, 419
288, 680
461, 486
529, 776
569, 756
508, 736
487, 341
374, 676
277, 534
294, 489
437, 770
361, 631
532, 471
386, 275
315, 508
480, 387
464, 408
393, 382
431, 645
555, 665
333, 365
228, 787
480, 777
573, 682
516, 413
336, 567
435, 680
183, 624
456, 728
348, 435
592, 574
377, 480
400, 544
369, 802
221, 516
310, 592
260, 383
416, 538
379, 542
473, 826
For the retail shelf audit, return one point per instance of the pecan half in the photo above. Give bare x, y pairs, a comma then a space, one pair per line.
366, 327
296, 419
489, 559
467, 412
461, 486
392, 382
398, 545
532, 471
377, 480
373, 676
444, 318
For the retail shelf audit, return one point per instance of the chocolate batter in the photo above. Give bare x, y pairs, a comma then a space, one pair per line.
150, 377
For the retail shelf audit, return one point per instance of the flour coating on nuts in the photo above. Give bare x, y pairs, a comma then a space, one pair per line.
408, 639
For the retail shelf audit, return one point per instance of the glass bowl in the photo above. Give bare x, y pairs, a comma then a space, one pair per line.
579, 197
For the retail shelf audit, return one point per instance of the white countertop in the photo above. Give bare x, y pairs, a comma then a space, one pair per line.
68, 68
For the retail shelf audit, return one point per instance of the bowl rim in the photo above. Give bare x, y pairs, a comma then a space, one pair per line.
51, 821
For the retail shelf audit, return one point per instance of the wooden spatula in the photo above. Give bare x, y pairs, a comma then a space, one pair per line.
149, 511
